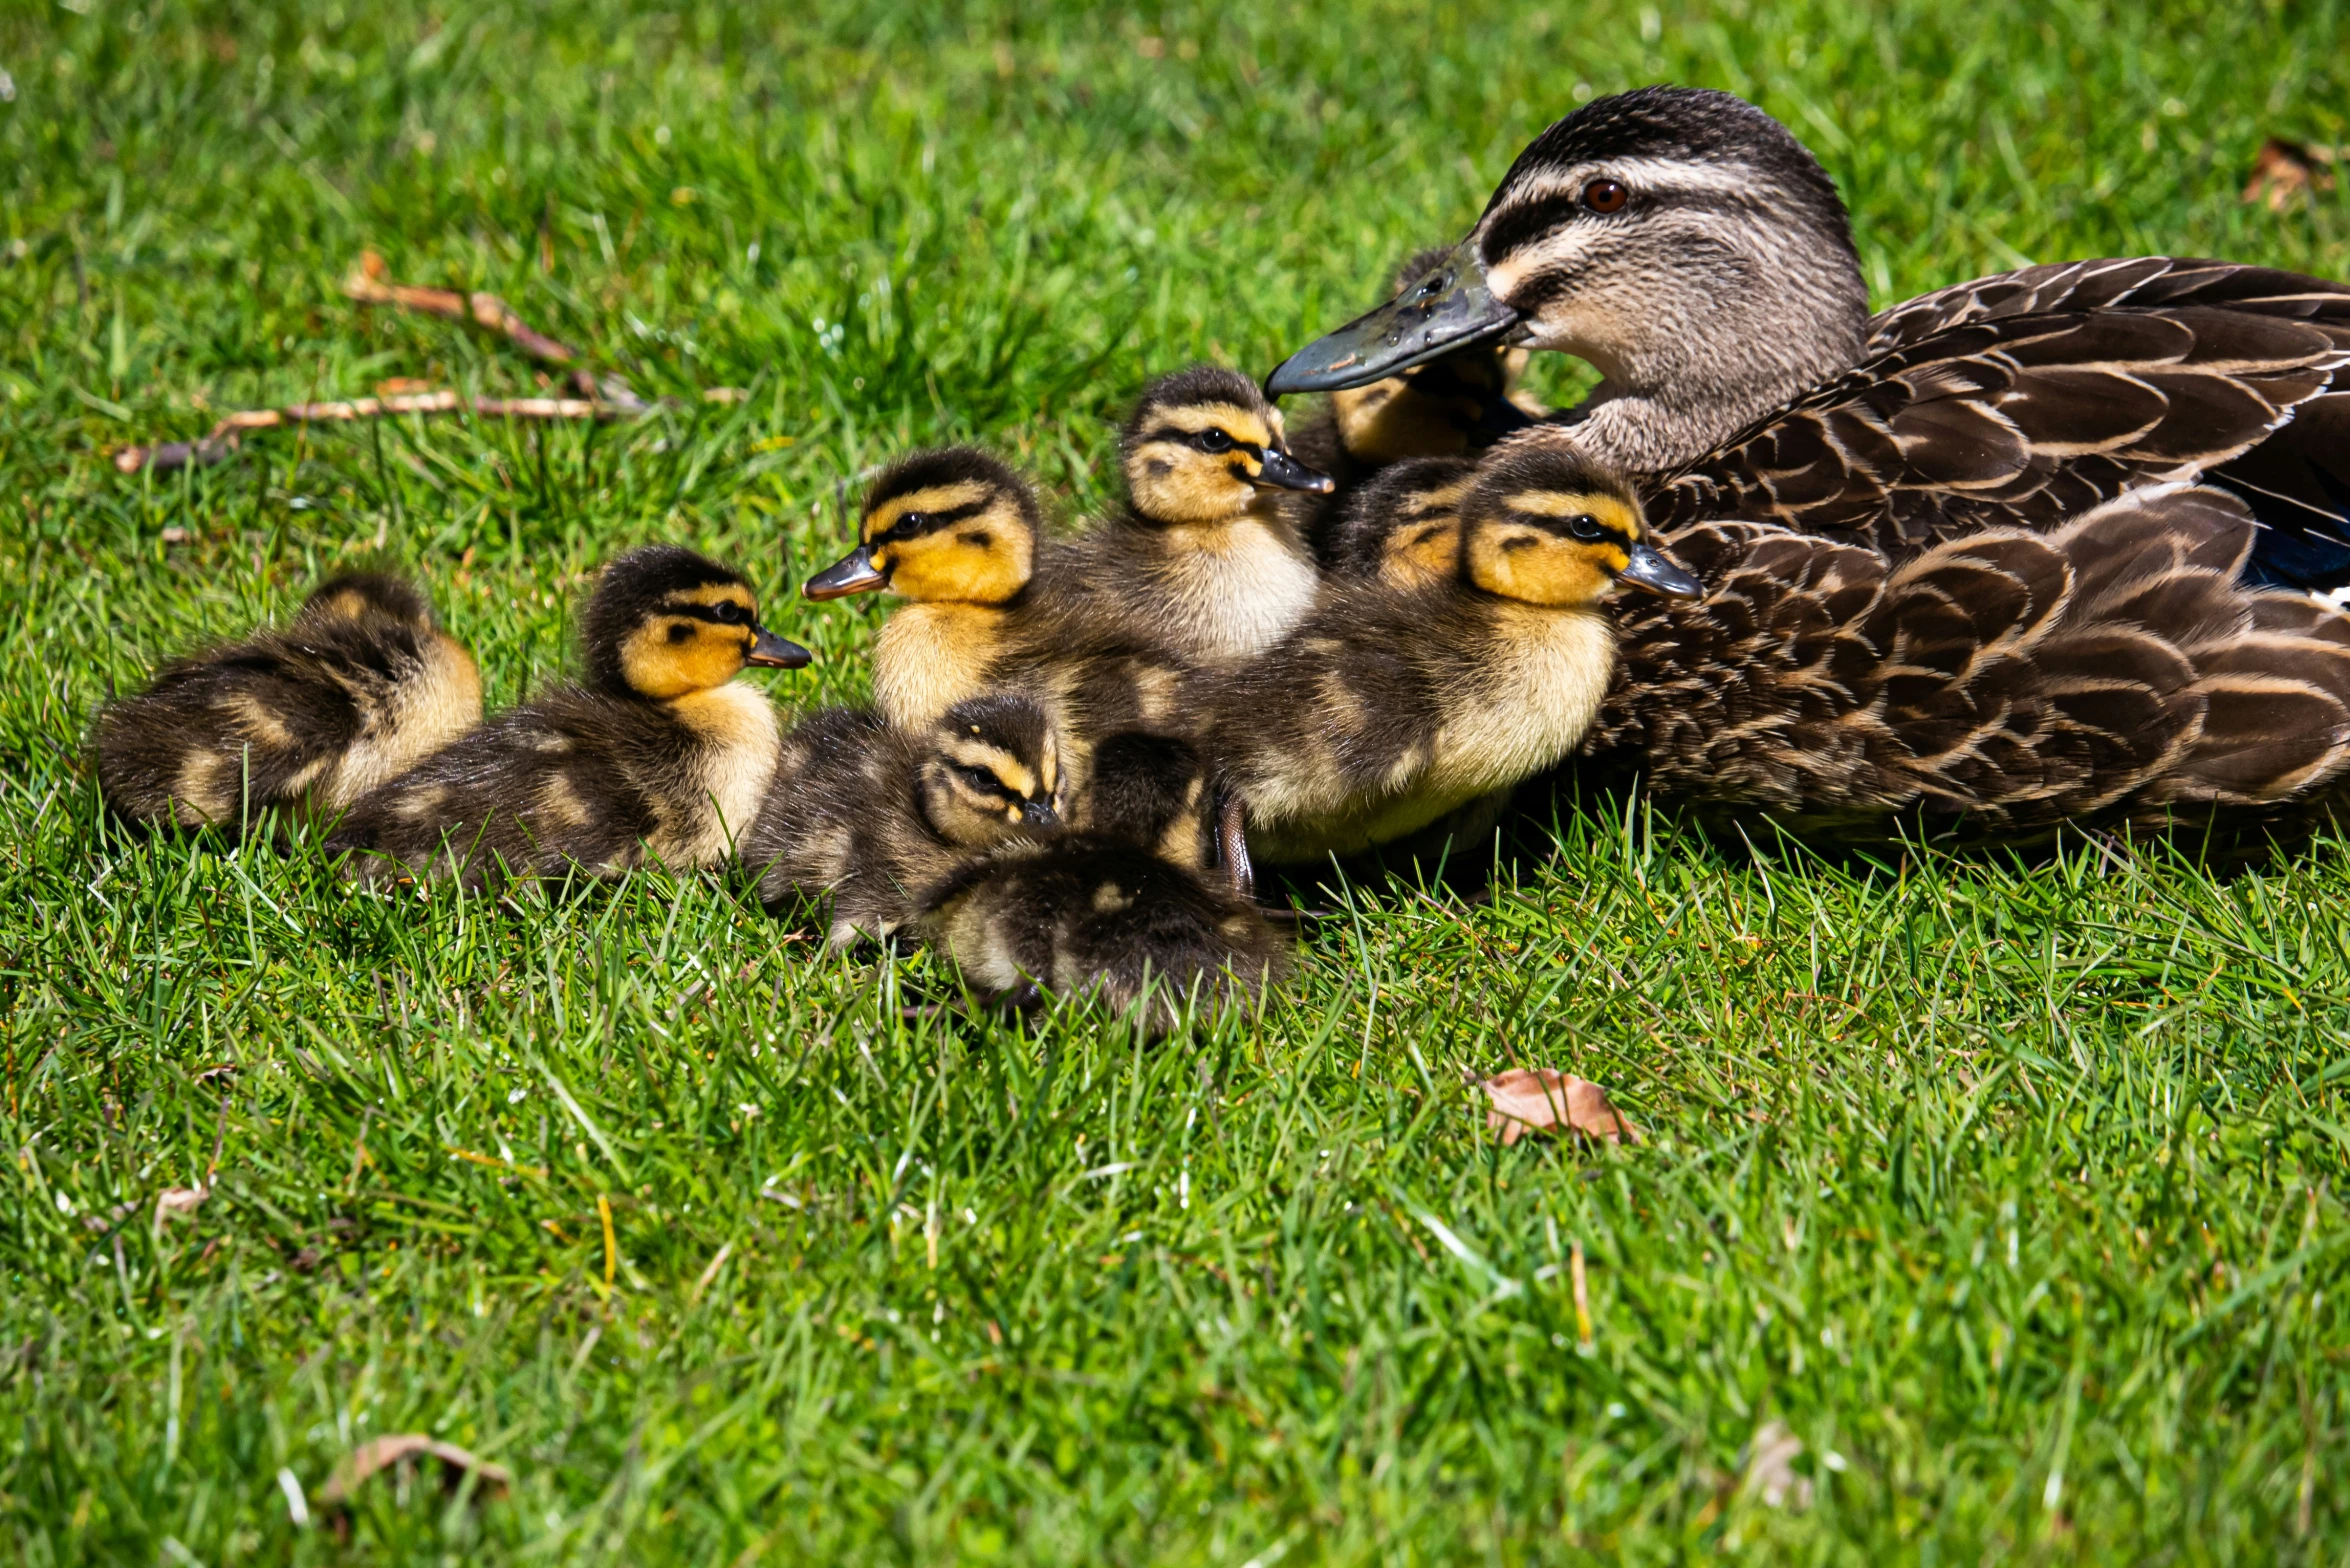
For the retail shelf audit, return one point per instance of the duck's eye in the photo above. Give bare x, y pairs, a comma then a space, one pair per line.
980, 779
728, 613
1584, 527
908, 526
1212, 440
1605, 196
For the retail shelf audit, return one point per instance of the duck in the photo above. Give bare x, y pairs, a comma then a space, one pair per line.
658, 753
1390, 708
358, 687
1202, 556
1690, 247
863, 816
1453, 405
991, 607
1125, 911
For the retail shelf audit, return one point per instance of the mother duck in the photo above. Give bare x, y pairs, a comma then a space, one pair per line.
2064, 544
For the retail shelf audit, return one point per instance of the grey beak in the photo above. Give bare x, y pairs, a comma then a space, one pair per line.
1651, 572
1449, 308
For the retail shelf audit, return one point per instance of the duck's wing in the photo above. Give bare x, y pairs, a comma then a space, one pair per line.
1987, 413
2113, 283
2014, 679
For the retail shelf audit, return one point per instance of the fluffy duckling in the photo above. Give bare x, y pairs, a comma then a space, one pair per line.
660, 753
955, 532
867, 815
360, 686
1203, 557
1390, 709
1402, 527
1121, 910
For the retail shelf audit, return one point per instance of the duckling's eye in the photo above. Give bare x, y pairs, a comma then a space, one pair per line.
981, 780
908, 526
1212, 440
1605, 196
1584, 527
729, 613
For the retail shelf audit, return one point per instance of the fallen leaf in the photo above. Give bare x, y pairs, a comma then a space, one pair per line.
1536, 1099
179, 1200
401, 386
1770, 1468
383, 1453
2284, 171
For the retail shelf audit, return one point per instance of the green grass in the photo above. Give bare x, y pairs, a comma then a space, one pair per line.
2016, 1194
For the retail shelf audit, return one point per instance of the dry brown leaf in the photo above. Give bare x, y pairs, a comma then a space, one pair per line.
1536, 1099
2284, 171
1770, 1468
384, 1452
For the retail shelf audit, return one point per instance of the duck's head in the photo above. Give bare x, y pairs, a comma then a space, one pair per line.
355, 597
991, 770
1437, 408
1402, 526
1204, 445
664, 622
1670, 236
952, 526
1545, 525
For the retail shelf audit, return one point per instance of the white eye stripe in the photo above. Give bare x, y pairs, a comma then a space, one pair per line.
1642, 176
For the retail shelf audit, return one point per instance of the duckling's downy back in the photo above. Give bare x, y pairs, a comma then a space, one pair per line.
358, 687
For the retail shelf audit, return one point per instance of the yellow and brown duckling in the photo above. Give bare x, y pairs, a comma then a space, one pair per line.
658, 754
957, 533
865, 815
357, 688
1124, 911
1391, 708
1202, 556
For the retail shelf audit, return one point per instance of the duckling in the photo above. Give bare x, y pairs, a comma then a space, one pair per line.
1202, 557
659, 753
866, 814
1402, 527
1391, 708
360, 686
1121, 910
956, 532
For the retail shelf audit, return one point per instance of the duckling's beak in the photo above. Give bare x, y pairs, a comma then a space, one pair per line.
1039, 814
1652, 573
1448, 308
1283, 472
776, 653
853, 573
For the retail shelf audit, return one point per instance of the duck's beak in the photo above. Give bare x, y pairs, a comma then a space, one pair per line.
1450, 307
776, 653
1039, 814
1283, 472
853, 573
1652, 573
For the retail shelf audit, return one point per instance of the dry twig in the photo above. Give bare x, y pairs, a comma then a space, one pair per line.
598, 397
